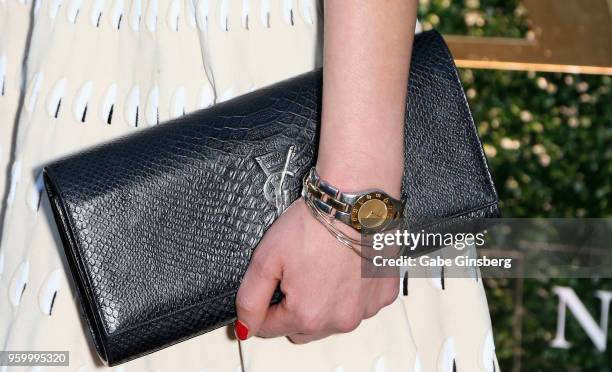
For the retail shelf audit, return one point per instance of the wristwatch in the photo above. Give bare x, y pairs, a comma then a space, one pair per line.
368, 212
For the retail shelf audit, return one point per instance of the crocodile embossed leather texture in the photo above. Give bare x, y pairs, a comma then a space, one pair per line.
159, 226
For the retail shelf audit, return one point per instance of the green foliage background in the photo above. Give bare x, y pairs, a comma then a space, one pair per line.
475, 17
548, 138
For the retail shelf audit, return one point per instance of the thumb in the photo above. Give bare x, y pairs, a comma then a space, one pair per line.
255, 292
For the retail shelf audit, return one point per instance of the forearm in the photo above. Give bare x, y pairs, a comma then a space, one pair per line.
367, 47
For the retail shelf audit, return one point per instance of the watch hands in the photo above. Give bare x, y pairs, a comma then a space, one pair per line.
375, 214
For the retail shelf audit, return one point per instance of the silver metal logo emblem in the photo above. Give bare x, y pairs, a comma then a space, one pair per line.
277, 169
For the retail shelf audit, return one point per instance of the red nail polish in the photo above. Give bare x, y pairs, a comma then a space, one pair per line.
241, 330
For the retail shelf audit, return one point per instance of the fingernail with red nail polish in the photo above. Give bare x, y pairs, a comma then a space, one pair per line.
242, 331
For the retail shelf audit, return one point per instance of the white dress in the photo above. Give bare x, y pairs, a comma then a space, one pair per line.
96, 69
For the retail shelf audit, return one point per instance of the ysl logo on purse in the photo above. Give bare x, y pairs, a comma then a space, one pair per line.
277, 169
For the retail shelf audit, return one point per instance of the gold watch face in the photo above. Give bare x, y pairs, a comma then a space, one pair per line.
371, 211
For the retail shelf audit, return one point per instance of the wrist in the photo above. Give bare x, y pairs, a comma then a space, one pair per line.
360, 170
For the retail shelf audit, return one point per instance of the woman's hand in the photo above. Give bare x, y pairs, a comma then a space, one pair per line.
366, 58
319, 276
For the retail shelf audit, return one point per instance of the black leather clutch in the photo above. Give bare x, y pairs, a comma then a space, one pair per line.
159, 226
